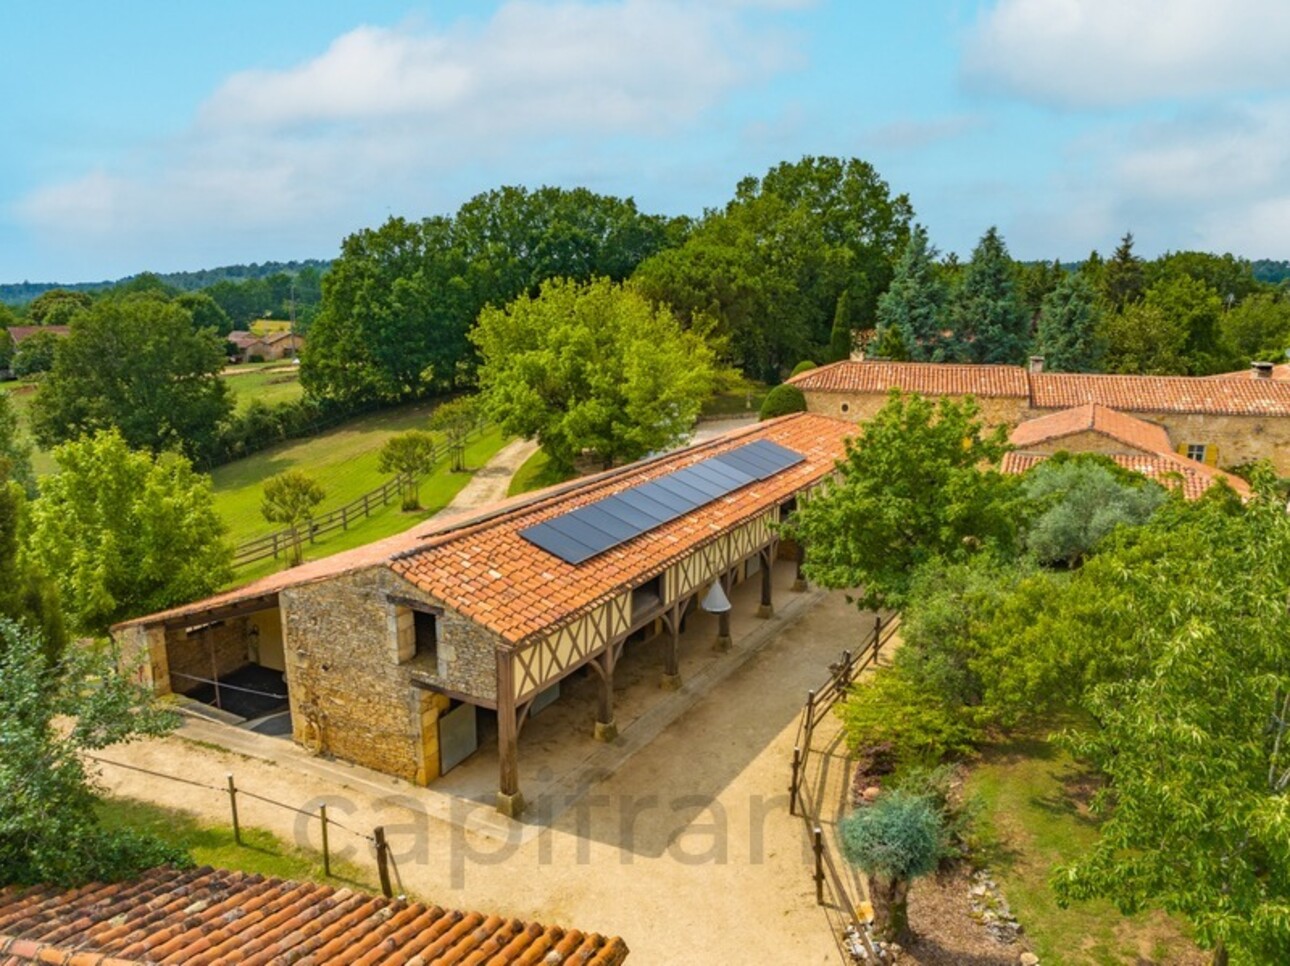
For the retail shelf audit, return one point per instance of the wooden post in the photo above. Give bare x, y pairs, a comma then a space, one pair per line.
383, 861
767, 608
844, 672
671, 653
810, 717
877, 636
799, 578
606, 729
344, 517
510, 801
232, 801
322, 814
793, 785
215, 674
367, 512
817, 843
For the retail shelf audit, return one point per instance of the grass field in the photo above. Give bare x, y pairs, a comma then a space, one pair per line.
1036, 817
261, 852
536, 473
269, 382
437, 491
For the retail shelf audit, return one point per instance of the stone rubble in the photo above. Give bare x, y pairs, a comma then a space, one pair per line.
887, 952
990, 909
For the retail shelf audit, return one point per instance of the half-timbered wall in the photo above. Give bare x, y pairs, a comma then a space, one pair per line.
547, 660
689, 574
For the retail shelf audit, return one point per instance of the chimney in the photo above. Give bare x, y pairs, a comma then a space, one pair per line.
1262, 370
1036, 363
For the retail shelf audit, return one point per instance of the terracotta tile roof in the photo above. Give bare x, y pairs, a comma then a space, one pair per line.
213, 916
242, 338
1280, 373
456, 559
1167, 469
926, 378
1096, 418
1161, 394
1056, 390
492, 575
20, 332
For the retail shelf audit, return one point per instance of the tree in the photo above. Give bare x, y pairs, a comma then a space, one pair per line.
911, 487
840, 339
1143, 340
27, 596
290, 498
412, 456
206, 313
781, 401
1123, 278
35, 354
915, 306
894, 841
984, 312
769, 268
126, 533
1232, 278
592, 368
135, 364
1082, 500
1196, 310
49, 832
1070, 334
58, 306
1035, 282
15, 451
1191, 733
457, 419
1258, 329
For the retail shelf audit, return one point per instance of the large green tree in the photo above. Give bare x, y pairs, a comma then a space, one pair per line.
26, 593
770, 267
1144, 340
916, 305
125, 533
58, 306
15, 451
49, 717
985, 314
592, 368
1258, 329
1070, 335
135, 364
914, 485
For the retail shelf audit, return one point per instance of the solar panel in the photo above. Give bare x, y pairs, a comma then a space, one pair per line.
592, 529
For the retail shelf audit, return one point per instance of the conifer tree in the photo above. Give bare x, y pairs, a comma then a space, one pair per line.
840, 337
913, 309
1069, 333
985, 313
1123, 278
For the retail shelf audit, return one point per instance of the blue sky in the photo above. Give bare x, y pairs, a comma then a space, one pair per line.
169, 136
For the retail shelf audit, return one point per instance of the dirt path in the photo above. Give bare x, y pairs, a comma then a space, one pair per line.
687, 850
490, 482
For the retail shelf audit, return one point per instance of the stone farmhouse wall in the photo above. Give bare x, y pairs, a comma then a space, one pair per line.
220, 648
859, 407
352, 695
1085, 442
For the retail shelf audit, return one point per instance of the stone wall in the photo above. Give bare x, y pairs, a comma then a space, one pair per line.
858, 407
350, 694
219, 649
1087, 442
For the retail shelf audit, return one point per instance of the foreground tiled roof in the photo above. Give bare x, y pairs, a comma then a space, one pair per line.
926, 378
1096, 418
480, 565
1162, 394
1165, 468
497, 578
213, 916
1056, 390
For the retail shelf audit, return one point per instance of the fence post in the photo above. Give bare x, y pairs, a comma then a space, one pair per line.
792, 788
383, 861
367, 512
275, 545
232, 802
344, 518
322, 814
877, 636
844, 672
810, 717
817, 845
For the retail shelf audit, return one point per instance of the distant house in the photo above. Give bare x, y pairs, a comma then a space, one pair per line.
274, 345
18, 334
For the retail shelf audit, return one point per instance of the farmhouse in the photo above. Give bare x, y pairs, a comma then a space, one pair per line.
1228, 422
268, 347
395, 655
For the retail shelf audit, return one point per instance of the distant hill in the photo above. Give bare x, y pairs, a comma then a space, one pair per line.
16, 293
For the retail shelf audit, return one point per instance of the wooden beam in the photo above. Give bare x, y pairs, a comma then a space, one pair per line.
461, 696
221, 612
413, 604
510, 801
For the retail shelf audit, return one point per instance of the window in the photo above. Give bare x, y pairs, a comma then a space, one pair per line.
1196, 451
426, 634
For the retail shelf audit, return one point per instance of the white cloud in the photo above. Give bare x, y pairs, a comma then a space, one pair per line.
1098, 53
389, 115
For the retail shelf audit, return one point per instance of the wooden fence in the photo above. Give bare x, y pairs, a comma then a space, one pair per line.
806, 801
272, 544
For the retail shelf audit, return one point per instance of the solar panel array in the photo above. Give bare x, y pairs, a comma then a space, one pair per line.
592, 529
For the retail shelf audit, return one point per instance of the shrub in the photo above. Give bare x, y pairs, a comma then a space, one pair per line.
255, 357
781, 401
806, 365
958, 815
889, 708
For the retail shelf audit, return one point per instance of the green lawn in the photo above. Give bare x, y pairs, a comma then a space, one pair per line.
536, 473
262, 383
261, 852
437, 491
744, 399
1036, 818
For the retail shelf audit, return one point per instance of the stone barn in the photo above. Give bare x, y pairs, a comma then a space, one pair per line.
397, 654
